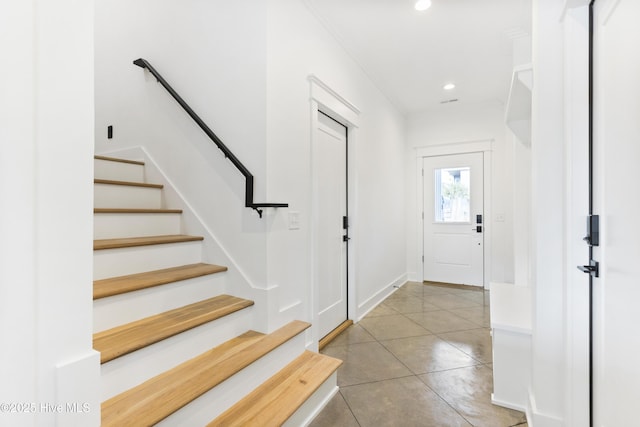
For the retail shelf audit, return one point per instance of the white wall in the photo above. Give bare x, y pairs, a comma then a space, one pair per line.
46, 131
617, 202
298, 45
214, 55
455, 123
243, 67
548, 212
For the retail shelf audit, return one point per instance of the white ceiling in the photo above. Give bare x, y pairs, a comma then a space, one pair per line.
410, 55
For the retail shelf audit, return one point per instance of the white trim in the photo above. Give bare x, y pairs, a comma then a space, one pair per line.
484, 146
323, 98
462, 147
375, 300
317, 89
290, 306
572, 4
510, 405
576, 379
538, 419
130, 153
322, 402
76, 383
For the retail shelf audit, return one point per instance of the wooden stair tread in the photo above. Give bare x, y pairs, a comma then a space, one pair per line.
133, 282
135, 211
127, 183
115, 159
129, 242
273, 402
159, 397
133, 336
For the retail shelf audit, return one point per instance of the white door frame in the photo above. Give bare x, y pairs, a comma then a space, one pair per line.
324, 98
576, 391
481, 146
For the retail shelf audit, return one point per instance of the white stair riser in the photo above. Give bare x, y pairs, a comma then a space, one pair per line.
125, 308
132, 369
120, 262
118, 225
204, 409
126, 196
118, 171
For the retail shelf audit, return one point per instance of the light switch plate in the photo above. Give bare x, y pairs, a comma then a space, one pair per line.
294, 220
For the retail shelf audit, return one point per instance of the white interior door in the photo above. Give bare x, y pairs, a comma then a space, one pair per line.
617, 202
330, 197
453, 215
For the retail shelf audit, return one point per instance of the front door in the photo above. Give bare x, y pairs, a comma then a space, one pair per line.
330, 201
453, 218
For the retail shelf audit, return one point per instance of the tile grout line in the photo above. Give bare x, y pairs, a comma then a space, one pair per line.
417, 376
481, 329
349, 406
446, 401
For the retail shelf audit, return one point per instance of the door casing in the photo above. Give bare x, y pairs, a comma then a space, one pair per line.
484, 146
326, 99
330, 177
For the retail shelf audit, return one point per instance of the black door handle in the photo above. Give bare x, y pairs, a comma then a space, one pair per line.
592, 269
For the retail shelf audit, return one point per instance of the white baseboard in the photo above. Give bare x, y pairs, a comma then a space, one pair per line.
536, 418
373, 301
413, 276
509, 405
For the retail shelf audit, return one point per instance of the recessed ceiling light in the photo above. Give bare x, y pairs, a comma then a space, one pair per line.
423, 5
449, 86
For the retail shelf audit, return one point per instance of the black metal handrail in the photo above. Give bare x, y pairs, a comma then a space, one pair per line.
248, 198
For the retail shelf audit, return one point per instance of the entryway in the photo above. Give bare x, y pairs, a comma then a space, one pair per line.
453, 218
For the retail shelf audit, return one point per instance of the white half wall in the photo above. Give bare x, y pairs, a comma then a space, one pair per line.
46, 172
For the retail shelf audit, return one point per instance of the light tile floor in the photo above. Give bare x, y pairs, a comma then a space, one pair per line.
421, 358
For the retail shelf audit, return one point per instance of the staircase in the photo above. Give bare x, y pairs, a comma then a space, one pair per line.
175, 348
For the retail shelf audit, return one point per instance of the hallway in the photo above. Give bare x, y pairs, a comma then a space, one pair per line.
421, 358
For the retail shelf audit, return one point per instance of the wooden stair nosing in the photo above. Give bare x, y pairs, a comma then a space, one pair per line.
135, 211
125, 339
129, 242
273, 402
127, 183
115, 159
159, 397
133, 282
